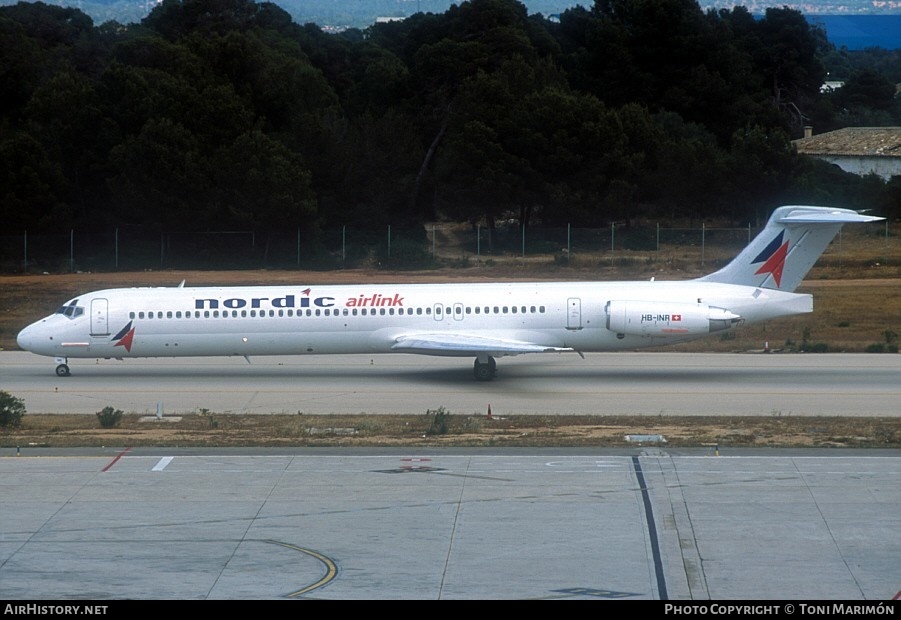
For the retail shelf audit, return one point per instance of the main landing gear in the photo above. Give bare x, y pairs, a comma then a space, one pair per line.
62, 369
484, 370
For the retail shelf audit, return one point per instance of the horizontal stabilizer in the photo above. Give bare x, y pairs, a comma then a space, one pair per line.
837, 216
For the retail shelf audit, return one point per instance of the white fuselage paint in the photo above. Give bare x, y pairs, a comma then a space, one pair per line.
368, 318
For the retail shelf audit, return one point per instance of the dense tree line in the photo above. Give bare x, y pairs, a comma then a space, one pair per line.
225, 114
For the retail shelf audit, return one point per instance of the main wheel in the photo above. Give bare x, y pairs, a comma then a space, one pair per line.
62, 370
484, 372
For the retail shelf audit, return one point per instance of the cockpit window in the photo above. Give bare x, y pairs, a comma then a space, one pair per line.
71, 309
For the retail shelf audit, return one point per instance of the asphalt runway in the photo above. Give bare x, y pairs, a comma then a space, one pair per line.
641, 383
646, 523
474, 524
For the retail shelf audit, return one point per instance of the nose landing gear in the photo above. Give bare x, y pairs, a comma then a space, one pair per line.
62, 368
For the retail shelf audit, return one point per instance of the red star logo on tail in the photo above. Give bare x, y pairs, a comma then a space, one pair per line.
775, 263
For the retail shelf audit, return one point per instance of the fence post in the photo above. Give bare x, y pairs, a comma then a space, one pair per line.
703, 242
389, 240
569, 244
478, 243
116, 244
343, 246
71, 250
25, 249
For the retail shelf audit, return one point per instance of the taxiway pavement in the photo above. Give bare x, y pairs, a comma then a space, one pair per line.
511, 524
640, 383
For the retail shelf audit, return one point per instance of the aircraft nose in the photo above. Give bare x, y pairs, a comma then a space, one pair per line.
27, 339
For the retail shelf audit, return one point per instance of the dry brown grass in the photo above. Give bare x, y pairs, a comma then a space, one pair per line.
227, 430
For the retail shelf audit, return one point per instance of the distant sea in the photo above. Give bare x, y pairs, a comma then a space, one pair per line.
857, 32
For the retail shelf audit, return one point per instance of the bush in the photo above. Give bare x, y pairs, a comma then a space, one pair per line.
439, 422
817, 347
109, 417
406, 254
12, 410
879, 347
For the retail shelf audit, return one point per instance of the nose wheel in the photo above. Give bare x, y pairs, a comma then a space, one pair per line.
62, 369
484, 371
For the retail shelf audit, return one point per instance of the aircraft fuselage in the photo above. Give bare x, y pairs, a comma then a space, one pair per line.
292, 320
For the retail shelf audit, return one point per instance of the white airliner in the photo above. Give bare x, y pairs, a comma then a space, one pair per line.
484, 321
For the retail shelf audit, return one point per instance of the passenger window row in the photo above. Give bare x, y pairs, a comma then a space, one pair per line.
310, 312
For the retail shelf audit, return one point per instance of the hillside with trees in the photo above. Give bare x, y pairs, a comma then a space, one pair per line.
215, 115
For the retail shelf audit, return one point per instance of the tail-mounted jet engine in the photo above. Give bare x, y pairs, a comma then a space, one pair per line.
661, 318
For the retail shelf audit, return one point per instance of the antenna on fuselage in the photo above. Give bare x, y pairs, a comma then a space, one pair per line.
182, 284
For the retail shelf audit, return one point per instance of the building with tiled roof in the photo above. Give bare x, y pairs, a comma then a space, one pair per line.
859, 150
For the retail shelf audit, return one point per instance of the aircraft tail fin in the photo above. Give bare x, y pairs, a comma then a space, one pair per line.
788, 246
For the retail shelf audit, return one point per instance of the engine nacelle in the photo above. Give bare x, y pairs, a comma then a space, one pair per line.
663, 318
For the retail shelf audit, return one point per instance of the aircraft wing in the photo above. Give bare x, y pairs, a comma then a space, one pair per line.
449, 344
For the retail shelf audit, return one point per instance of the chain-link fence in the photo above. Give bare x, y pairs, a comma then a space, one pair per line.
132, 249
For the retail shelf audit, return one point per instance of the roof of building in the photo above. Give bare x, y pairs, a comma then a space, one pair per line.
856, 141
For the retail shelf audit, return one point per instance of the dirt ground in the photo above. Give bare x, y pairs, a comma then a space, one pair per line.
432, 429
856, 305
